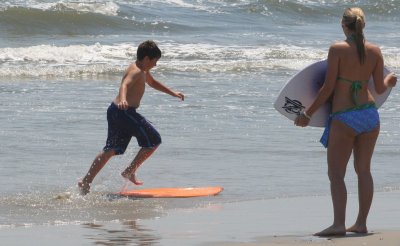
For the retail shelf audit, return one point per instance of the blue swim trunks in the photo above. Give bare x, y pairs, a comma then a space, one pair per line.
125, 124
360, 120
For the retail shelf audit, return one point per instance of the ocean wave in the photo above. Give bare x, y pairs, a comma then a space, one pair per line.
54, 22
69, 61
305, 8
102, 17
98, 59
322, 9
13, 21
96, 7
206, 6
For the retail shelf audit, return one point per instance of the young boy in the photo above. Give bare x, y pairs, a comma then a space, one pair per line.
123, 120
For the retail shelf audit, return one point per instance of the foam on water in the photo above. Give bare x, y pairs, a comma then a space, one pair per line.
98, 7
98, 59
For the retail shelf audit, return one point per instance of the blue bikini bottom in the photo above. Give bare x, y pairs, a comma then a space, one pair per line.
361, 119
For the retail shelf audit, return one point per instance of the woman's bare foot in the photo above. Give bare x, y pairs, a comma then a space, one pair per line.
332, 231
132, 177
84, 187
357, 229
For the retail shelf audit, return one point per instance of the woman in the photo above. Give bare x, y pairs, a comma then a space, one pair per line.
354, 124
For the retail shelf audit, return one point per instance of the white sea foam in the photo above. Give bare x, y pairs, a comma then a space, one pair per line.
209, 6
105, 8
49, 60
99, 7
96, 59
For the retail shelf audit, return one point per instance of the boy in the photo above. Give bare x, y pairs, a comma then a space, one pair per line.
123, 120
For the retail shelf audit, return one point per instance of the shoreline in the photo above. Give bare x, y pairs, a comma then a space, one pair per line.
284, 221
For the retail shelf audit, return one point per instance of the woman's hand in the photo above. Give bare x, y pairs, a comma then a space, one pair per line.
302, 120
391, 80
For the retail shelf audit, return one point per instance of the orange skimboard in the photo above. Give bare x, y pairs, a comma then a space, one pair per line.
173, 192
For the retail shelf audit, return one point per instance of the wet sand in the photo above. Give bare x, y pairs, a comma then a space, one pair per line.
283, 221
379, 238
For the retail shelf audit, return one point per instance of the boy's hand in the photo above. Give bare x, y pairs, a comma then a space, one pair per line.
180, 95
123, 105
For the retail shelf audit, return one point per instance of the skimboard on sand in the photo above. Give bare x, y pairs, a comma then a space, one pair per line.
172, 192
301, 90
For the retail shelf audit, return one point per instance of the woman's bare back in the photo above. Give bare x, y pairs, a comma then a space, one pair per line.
351, 69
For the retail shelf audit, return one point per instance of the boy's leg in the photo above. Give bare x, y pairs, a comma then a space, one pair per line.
98, 163
130, 172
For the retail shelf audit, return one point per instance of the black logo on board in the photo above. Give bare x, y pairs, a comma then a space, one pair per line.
293, 106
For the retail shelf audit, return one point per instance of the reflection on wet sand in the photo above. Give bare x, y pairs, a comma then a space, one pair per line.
130, 233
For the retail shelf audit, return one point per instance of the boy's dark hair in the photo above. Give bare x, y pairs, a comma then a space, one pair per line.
148, 48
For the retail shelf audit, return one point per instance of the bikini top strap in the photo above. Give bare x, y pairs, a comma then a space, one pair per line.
356, 86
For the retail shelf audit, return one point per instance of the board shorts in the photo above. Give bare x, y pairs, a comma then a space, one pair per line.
125, 124
360, 120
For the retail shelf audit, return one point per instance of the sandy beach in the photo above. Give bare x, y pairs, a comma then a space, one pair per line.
381, 238
283, 221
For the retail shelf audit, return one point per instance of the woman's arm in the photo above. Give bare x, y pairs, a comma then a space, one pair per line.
382, 84
326, 90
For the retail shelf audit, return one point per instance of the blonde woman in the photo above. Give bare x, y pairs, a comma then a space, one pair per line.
353, 126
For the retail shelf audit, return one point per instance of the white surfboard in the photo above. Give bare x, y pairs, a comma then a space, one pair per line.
301, 90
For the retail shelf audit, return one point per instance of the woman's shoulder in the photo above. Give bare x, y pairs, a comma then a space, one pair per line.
372, 46
338, 46
343, 45
373, 50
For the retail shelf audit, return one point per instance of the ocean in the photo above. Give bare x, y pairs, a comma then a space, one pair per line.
61, 64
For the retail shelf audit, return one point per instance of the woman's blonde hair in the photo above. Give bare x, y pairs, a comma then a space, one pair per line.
354, 20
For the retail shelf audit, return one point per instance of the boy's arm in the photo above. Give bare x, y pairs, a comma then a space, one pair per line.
160, 87
122, 103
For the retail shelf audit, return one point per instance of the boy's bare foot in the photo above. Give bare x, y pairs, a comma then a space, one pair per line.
84, 188
132, 177
357, 229
332, 231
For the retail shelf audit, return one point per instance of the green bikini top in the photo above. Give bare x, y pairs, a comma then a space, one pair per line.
356, 86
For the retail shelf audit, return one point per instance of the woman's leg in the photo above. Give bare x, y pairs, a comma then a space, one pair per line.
340, 146
363, 150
